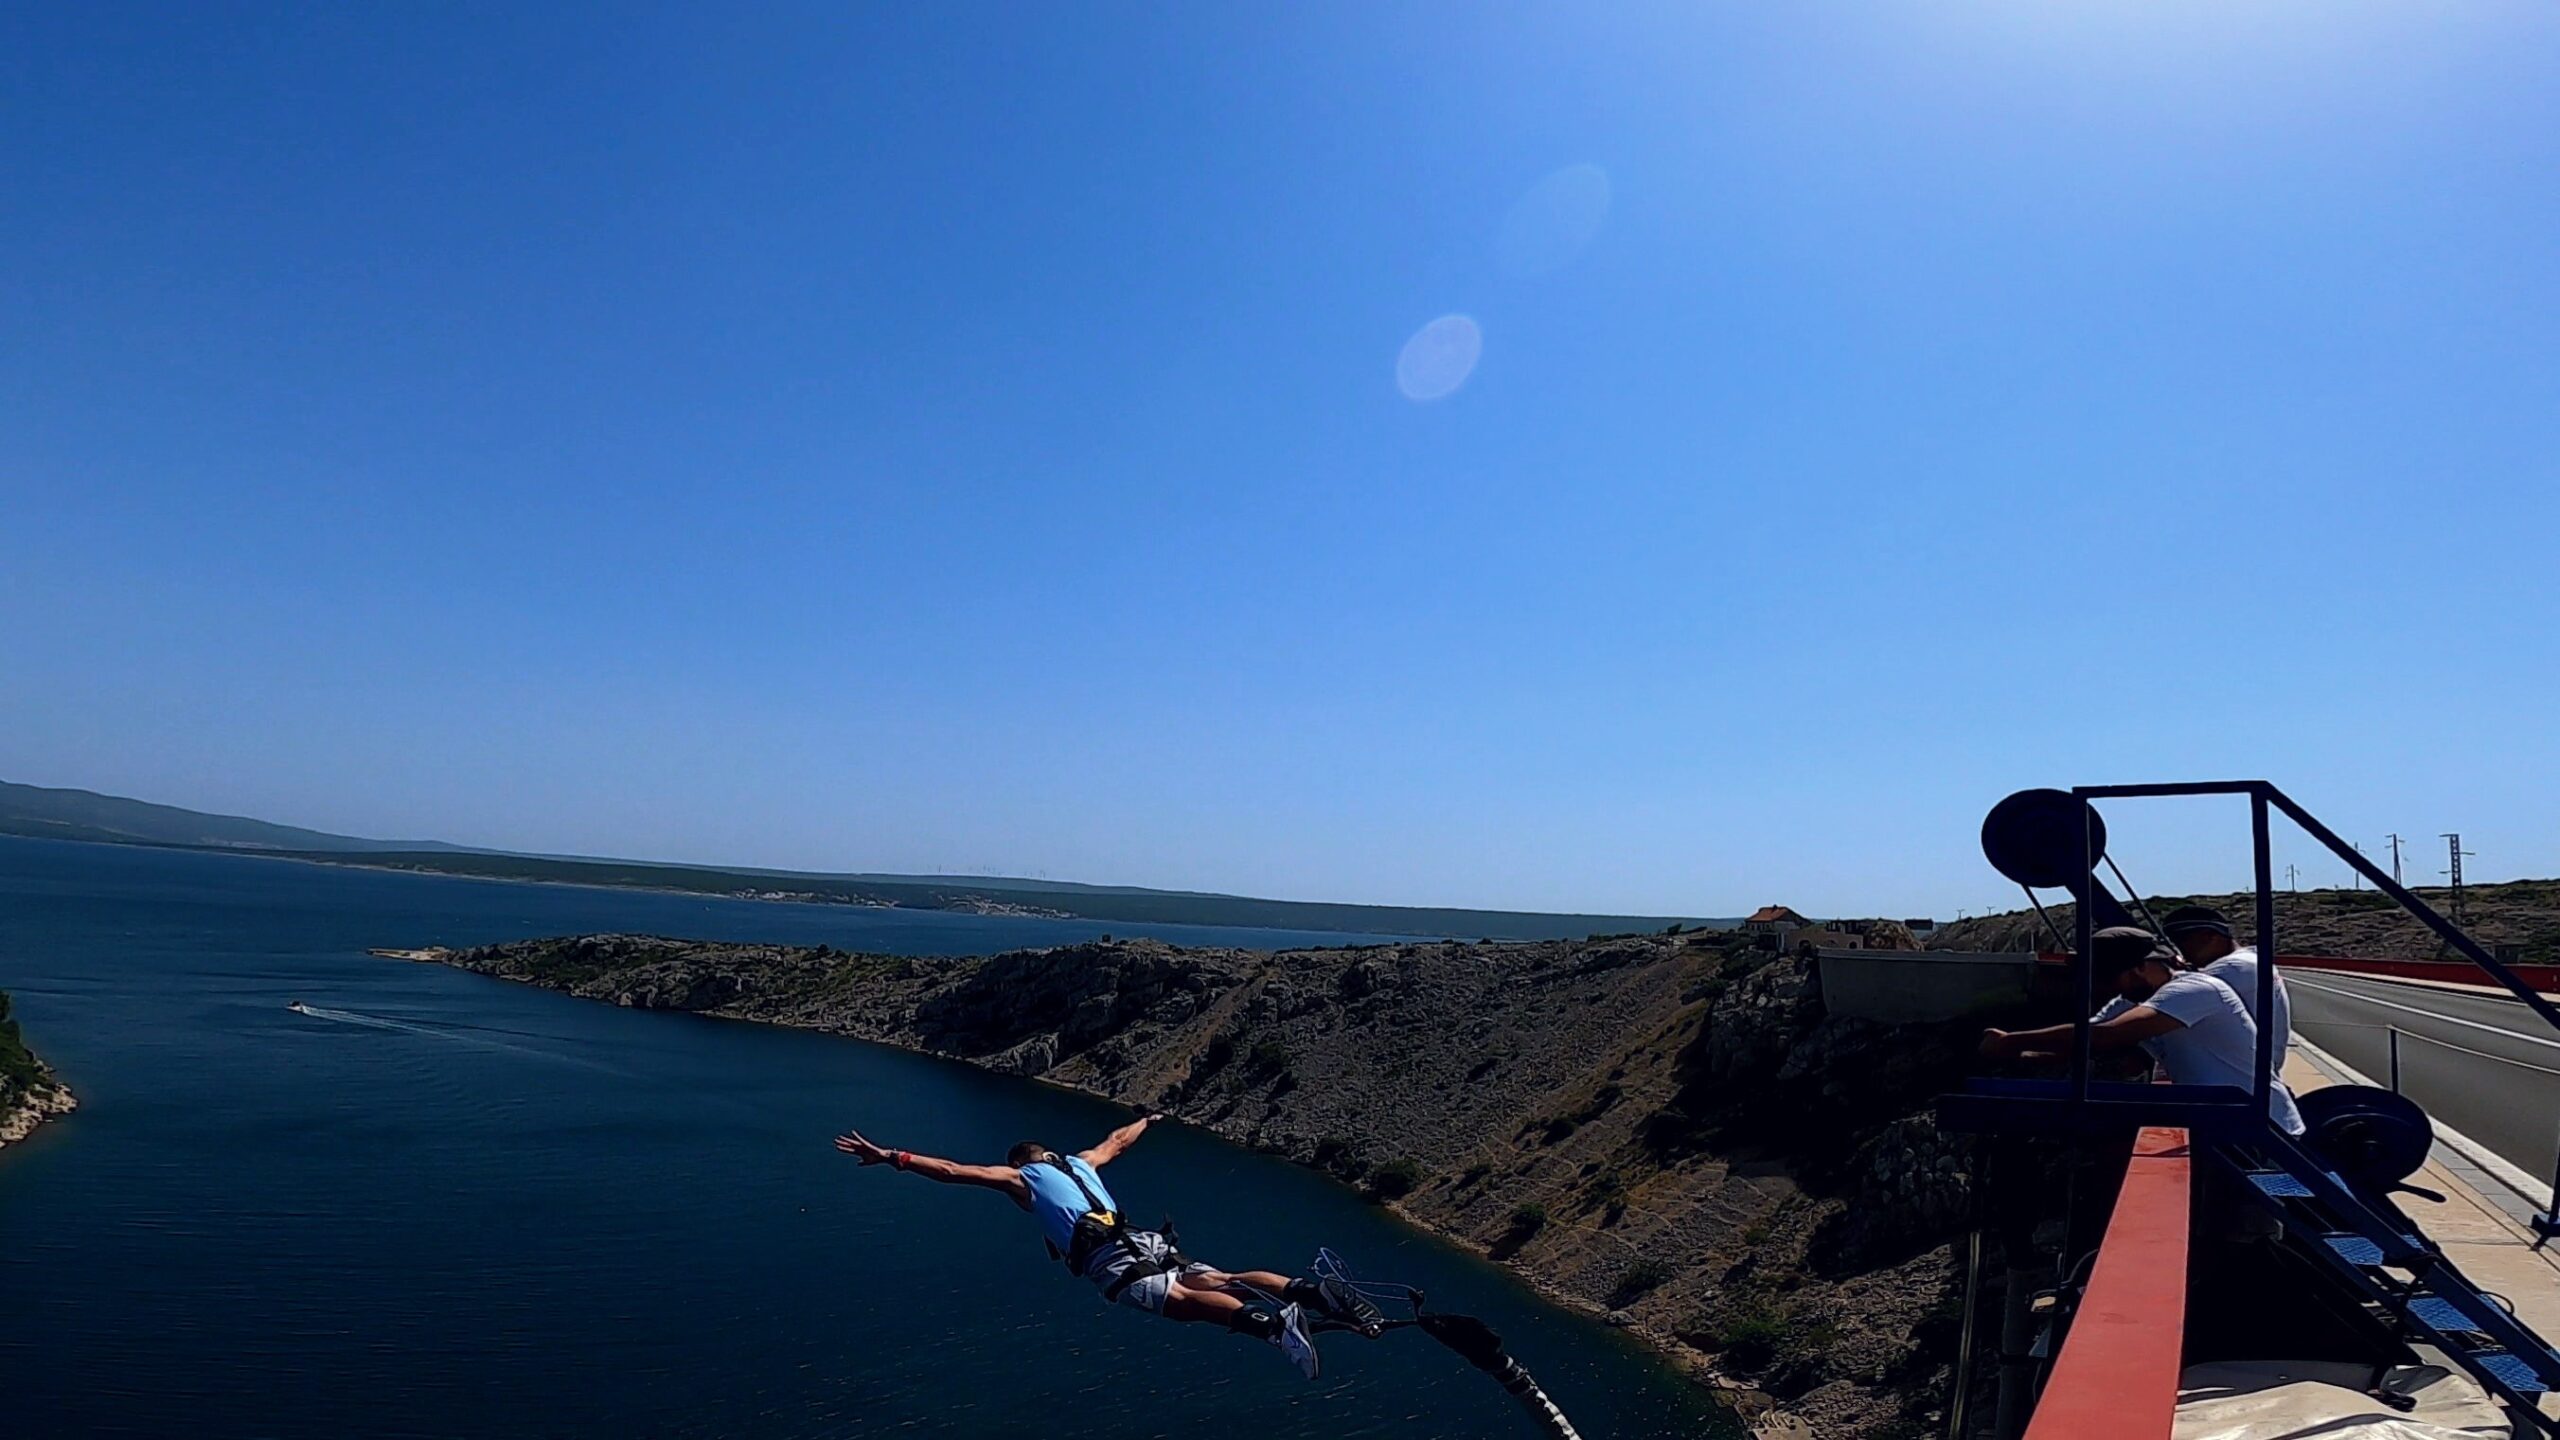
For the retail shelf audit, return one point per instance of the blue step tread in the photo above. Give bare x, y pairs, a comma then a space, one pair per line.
2283, 1182
2357, 1250
2439, 1314
2511, 1371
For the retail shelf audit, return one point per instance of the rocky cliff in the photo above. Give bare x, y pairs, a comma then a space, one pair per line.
1669, 1130
29, 1093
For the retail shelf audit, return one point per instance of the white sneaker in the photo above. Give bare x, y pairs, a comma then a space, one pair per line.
1295, 1342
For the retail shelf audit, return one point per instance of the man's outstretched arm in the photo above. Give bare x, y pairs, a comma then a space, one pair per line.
934, 1167
1118, 1140
2122, 1033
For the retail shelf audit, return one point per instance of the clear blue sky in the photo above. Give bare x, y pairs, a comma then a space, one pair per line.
921, 436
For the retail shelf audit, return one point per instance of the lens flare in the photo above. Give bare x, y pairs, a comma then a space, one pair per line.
1439, 358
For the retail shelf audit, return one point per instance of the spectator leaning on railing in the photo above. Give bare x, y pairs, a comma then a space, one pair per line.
2193, 1023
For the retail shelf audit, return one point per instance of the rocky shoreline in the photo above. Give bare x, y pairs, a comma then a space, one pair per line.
26, 1112
1669, 1131
29, 1092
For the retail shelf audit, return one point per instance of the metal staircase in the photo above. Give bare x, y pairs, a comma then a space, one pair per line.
2381, 1257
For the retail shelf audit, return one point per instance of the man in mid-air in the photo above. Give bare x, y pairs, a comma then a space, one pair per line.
1139, 1268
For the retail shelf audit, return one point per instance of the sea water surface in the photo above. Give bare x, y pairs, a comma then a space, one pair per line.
444, 1205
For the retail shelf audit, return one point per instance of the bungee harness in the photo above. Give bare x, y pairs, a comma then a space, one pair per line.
1099, 1228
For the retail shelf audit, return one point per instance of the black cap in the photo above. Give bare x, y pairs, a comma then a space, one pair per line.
2119, 948
2198, 917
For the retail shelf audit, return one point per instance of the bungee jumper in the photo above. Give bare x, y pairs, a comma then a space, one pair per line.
1144, 1269
1083, 1227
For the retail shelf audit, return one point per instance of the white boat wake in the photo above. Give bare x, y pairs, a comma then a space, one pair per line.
444, 1032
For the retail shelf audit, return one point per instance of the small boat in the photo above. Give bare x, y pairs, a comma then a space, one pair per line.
297, 1007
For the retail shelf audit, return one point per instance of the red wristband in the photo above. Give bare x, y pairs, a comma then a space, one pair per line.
900, 1158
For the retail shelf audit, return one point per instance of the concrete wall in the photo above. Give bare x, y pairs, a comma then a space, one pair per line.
1908, 987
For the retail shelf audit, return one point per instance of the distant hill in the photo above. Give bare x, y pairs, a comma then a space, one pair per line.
2518, 917
84, 815
87, 815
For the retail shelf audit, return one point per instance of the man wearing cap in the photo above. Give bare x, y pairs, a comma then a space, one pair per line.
2190, 1022
2206, 945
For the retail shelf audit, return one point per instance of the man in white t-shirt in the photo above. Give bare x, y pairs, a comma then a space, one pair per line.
2205, 945
2204, 939
2192, 1023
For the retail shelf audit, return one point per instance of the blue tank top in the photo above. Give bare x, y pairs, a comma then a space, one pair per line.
1056, 1202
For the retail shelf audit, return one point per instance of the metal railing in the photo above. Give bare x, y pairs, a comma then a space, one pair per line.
2395, 1032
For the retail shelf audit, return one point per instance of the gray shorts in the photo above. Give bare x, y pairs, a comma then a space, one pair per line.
1147, 1292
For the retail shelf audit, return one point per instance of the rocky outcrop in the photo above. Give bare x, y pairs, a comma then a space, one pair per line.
29, 1092
1075, 997
22, 1113
1668, 1131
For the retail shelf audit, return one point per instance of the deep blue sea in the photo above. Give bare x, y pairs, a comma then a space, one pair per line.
451, 1206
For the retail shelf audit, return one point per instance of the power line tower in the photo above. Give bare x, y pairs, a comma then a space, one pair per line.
2454, 852
2293, 877
2395, 862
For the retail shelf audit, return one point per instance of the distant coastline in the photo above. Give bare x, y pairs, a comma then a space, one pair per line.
767, 896
970, 897
81, 816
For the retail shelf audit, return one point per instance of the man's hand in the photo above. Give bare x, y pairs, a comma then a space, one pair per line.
852, 1143
2002, 1045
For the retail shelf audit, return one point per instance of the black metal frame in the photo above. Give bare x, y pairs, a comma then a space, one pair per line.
2219, 1118
2264, 799
2263, 796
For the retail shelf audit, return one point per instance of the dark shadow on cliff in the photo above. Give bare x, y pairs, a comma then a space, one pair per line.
1766, 1074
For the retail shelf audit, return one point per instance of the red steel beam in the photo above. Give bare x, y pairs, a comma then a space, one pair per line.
2117, 1376
2545, 978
